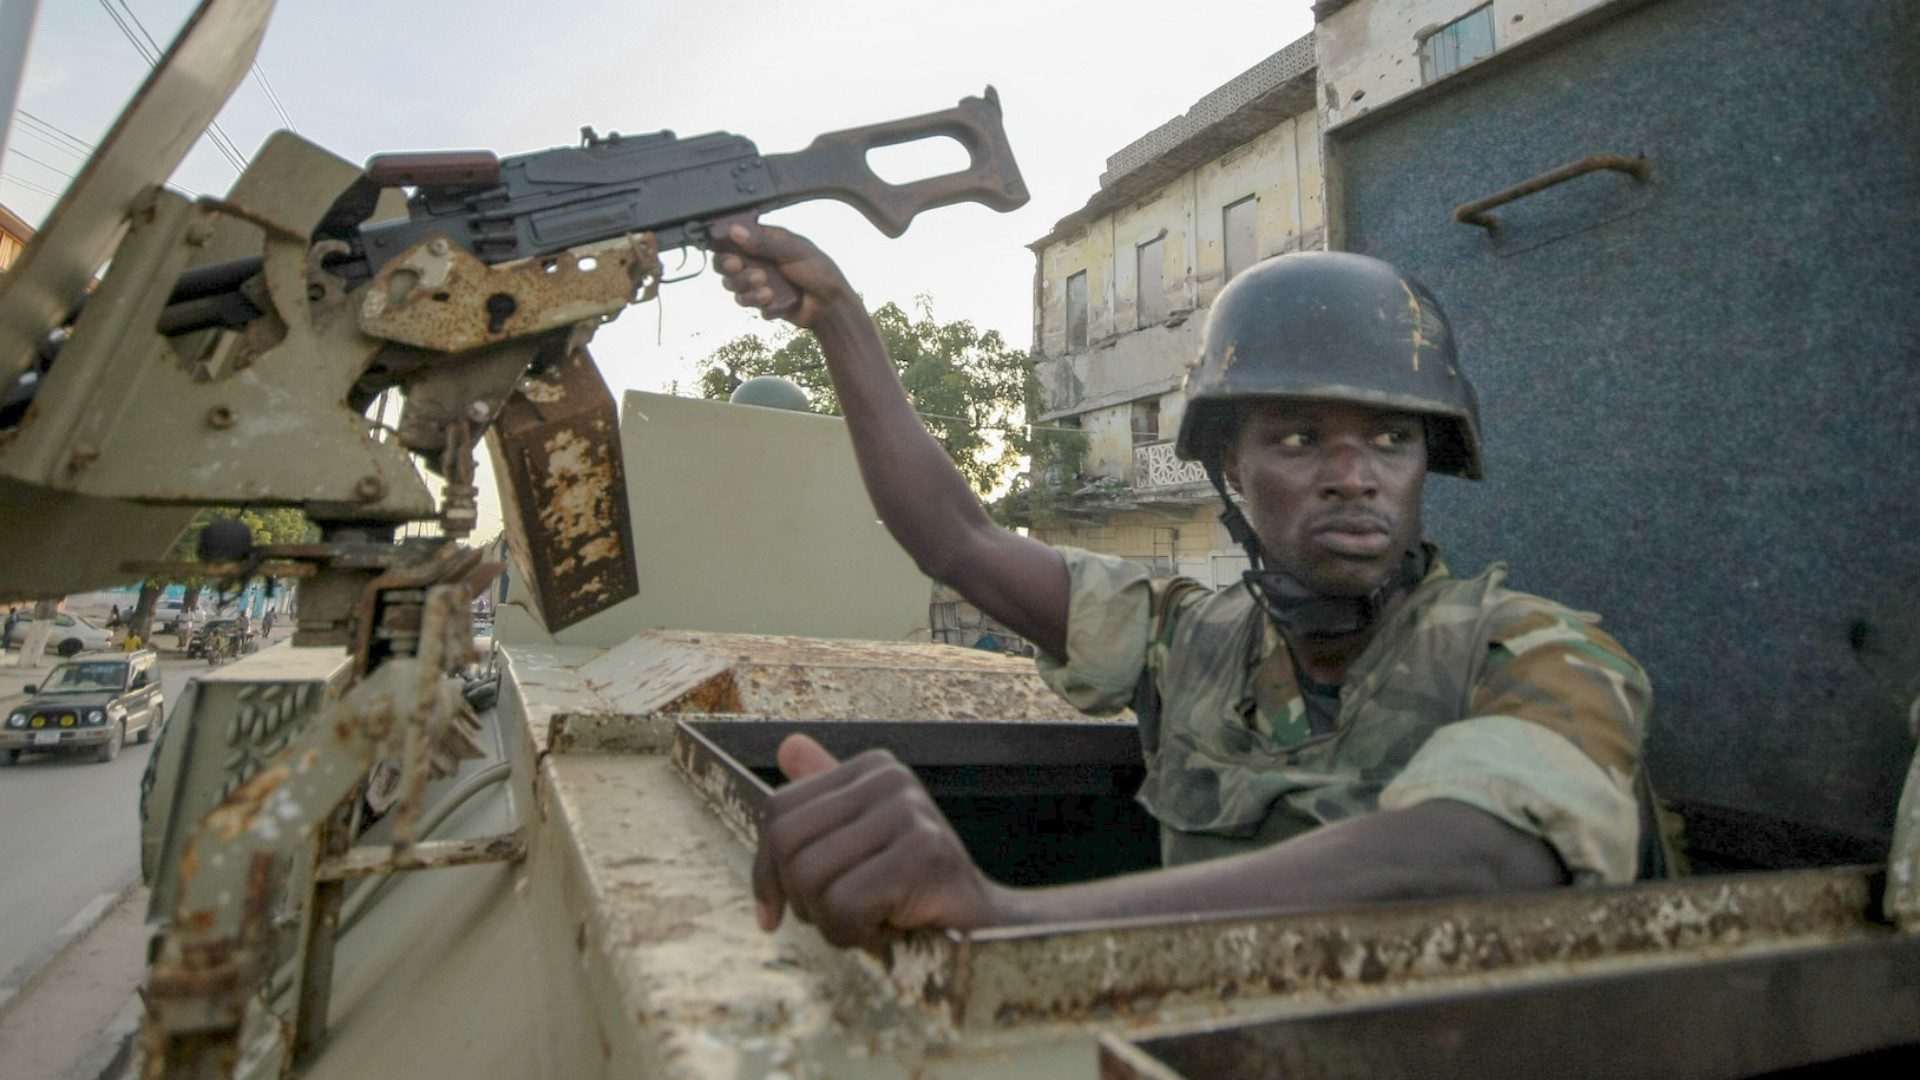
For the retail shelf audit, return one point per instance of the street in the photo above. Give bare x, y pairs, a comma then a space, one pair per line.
71, 837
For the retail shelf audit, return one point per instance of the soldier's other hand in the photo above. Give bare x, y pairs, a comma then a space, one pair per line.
859, 850
778, 272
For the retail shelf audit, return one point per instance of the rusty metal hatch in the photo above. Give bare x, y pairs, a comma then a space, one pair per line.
1035, 803
1836, 1011
1091, 972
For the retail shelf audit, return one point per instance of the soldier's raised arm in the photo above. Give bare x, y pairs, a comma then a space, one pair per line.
919, 494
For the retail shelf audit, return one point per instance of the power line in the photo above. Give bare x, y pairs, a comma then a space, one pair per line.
219, 134
260, 76
55, 143
52, 131
29, 184
17, 152
149, 50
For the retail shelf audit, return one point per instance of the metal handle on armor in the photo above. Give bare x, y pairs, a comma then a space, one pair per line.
1475, 213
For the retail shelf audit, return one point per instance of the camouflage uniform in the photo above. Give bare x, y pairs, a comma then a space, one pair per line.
1469, 691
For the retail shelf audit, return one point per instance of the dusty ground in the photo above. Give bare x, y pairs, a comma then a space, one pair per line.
73, 1022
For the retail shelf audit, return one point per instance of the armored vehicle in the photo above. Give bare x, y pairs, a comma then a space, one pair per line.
1675, 236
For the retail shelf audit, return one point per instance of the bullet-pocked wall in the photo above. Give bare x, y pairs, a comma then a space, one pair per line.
1370, 52
1142, 274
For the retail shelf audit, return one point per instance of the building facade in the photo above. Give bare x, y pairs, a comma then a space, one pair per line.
14, 235
1122, 285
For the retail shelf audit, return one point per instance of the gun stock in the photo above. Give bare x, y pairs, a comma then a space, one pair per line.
835, 166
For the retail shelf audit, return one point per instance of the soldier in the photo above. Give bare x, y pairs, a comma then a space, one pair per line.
1355, 724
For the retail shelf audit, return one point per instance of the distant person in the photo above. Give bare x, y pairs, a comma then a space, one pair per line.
132, 643
266, 624
6, 635
114, 620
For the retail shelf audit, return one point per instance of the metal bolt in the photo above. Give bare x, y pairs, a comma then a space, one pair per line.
370, 487
220, 416
437, 246
478, 412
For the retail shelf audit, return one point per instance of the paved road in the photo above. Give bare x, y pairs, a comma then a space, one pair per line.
69, 840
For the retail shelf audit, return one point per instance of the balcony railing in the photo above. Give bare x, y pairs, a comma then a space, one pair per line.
1155, 466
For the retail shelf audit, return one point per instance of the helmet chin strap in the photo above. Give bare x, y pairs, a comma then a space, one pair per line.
1295, 607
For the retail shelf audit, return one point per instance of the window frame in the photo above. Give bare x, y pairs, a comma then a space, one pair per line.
1430, 70
1159, 293
1077, 343
1227, 269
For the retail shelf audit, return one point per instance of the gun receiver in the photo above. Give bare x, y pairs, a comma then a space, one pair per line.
552, 200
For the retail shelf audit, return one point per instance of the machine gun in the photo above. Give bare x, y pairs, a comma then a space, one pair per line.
231, 355
496, 275
677, 190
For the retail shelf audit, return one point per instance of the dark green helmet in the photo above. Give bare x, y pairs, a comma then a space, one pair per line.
771, 392
1331, 326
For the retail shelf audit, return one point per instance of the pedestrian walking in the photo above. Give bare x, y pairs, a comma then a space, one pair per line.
6, 635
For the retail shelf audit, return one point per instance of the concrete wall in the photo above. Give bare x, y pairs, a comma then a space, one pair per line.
749, 520
1368, 52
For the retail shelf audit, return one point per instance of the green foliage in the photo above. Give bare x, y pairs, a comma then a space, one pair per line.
970, 388
269, 525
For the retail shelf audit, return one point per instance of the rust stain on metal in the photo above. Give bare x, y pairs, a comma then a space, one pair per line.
1475, 213
363, 862
1006, 978
438, 296
719, 694
791, 677
242, 809
614, 701
566, 508
735, 800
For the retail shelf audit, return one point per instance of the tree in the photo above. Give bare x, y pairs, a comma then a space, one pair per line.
970, 388
268, 524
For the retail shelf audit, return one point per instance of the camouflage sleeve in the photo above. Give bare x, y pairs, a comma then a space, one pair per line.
1550, 742
1109, 606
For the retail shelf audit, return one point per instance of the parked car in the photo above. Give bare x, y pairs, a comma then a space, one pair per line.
166, 615
90, 703
71, 635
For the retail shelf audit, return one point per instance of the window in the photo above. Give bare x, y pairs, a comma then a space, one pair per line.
1457, 44
1077, 312
1150, 282
1146, 421
1236, 227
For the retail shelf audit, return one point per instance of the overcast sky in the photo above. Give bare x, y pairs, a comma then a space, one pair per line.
1077, 82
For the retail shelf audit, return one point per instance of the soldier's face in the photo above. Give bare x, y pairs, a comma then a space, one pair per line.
1333, 490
